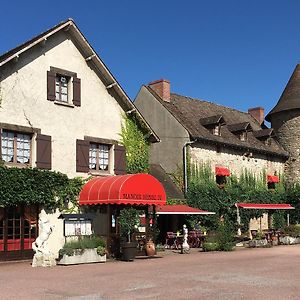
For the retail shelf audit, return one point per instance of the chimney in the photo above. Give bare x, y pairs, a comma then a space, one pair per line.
258, 113
162, 88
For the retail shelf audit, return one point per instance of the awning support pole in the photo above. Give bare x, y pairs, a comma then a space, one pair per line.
288, 219
238, 218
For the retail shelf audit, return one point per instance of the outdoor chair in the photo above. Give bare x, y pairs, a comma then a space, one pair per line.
171, 240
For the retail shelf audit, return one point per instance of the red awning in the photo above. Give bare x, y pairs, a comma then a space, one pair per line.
272, 179
180, 210
221, 171
140, 189
264, 206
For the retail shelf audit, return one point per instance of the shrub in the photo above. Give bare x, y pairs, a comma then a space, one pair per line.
209, 246
77, 246
292, 230
225, 237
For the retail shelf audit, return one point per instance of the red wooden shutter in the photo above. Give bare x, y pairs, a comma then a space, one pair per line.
82, 156
120, 160
76, 92
51, 86
43, 151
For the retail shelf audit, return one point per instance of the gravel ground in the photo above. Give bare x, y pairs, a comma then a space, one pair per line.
270, 273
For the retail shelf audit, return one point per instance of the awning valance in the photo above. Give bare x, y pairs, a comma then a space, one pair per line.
272, 179
181, 210
264, 206
139, 189
222, 171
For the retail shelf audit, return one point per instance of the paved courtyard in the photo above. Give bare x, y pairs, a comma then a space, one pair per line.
272, 273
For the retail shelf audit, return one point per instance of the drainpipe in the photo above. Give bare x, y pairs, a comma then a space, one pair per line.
185, 165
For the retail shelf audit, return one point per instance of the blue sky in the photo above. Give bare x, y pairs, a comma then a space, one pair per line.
235, 53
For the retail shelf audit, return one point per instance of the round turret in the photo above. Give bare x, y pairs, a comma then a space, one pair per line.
285, 119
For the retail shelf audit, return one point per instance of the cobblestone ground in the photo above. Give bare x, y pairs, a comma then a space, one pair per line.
272, 273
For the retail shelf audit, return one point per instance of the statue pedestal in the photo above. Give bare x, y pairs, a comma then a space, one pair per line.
43, 260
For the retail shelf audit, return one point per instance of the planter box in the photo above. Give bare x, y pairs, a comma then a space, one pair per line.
258, 243
289, 240
88, 256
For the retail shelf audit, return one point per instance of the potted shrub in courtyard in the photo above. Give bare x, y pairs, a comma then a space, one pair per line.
83, 250
259, 240
128, 221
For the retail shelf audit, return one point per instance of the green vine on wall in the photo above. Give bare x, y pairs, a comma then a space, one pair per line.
41, 187
204, 193
135, 141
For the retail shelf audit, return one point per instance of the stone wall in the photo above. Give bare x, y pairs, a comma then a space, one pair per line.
234, 160
287, 129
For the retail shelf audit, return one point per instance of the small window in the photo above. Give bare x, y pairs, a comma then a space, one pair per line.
243, 136
216, 130
61, 88
99, 157
221, 180
16, 147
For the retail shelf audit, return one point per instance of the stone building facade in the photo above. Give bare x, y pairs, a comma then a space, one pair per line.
214, 134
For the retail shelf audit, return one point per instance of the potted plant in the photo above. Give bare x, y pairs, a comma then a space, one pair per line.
87, 249
128, 220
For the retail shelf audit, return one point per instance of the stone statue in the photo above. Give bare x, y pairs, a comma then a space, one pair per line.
185, 245
43, 257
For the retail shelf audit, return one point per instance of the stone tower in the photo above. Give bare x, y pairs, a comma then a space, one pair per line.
285, 119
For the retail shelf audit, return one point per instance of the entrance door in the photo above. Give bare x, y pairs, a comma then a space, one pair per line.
18, 229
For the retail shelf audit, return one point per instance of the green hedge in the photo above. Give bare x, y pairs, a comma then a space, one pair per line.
34, 186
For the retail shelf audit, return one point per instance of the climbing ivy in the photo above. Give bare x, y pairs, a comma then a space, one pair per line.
135, 141
204, 193
34, 186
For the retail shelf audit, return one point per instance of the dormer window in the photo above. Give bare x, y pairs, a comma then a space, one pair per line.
213, 124
264, 135
240, 130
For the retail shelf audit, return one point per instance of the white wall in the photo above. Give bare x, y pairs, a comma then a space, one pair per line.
24, 102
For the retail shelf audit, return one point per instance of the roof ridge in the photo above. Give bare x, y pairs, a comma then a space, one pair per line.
210, 102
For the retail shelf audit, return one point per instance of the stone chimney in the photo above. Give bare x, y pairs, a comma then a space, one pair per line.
258, 113
162, 88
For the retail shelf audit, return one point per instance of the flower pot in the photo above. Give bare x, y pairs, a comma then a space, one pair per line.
128, 251
150, 248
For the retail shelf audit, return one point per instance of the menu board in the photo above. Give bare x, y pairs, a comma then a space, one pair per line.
78, 227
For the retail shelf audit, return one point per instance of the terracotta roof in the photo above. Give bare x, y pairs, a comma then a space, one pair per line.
290, 98
91, 57
189, 111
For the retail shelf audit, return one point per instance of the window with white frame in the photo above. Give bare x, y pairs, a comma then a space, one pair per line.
61, 88
99, 157
15, 147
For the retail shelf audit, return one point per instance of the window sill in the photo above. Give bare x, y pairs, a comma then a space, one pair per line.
64, 103
16, 165
99, 173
